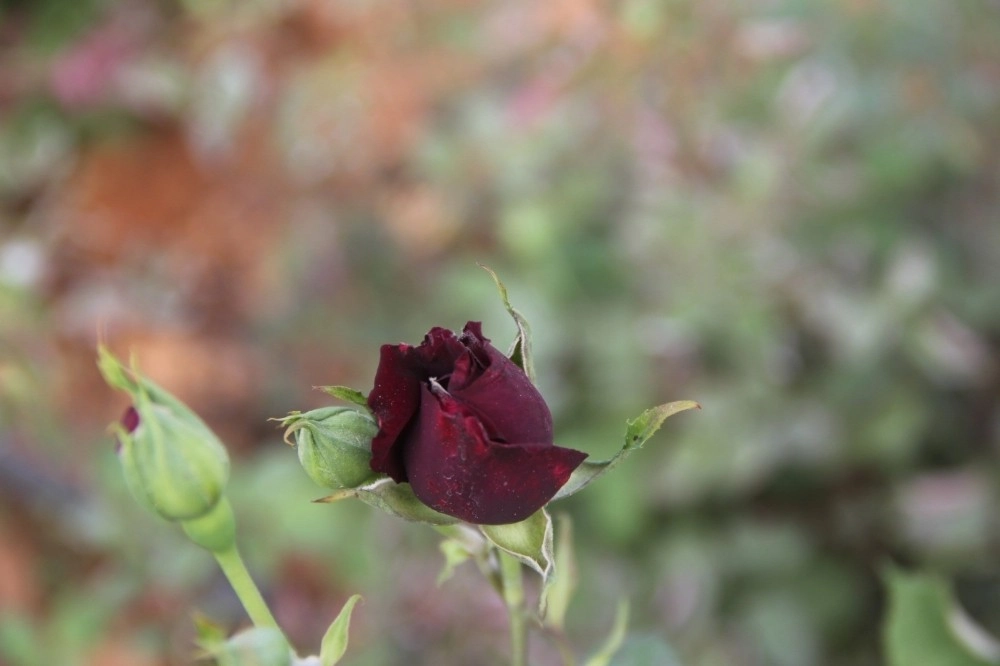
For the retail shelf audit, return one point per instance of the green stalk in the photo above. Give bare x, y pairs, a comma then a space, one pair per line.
513, 596
232, 565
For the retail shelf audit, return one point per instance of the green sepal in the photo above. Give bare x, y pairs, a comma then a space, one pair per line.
558, 592
530, 541
637, 431
347, 394
394, 498
259, 646
615, 638
520, 350
921, 624
456, 553
334, 643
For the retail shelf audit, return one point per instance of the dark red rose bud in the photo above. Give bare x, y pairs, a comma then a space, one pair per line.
466, 428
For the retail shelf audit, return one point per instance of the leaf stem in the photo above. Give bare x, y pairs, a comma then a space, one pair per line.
239, 578
513, 596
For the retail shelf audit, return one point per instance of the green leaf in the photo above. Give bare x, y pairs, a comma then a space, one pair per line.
455, 554
530, 541
394, 498
920, 628
334, 642
637, 431
347, 395
558, 592
614, 640
520, 350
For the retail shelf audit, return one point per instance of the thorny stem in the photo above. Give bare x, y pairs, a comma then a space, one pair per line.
232, 565
513, 596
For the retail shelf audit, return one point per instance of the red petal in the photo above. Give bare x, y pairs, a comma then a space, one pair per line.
395, 397
501, 394
456, 469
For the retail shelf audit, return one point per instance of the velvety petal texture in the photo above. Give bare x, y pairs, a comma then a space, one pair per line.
466, 428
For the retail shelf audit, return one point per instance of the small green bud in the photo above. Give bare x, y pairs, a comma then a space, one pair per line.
172, 462
334, 445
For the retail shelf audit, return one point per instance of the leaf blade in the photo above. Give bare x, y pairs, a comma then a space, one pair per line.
334, 643
637, 432
918, 628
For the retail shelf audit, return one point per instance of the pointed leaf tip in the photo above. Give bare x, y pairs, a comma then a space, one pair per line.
637, 432
346, 394
334, 643
644, 426
520, 350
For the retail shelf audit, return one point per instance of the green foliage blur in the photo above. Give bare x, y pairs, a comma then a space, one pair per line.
788, 211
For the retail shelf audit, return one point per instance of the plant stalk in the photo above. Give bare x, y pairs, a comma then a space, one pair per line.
239, 578
513, 596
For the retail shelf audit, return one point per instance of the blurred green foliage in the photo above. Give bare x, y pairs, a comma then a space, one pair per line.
787, 211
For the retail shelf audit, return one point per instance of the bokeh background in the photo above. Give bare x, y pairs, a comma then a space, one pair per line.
788, 210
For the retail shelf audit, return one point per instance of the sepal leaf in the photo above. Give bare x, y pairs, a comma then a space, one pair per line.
456, 553
334, 643
637, 432
396, 499
558, 592
520, 349
347, 394
530, 541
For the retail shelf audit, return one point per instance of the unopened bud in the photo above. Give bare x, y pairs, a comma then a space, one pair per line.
172, 461
334, 445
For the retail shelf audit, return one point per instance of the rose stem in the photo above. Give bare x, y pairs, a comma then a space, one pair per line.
513, 596
232, 565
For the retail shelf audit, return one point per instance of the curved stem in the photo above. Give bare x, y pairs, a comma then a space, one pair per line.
513, 596
232, 565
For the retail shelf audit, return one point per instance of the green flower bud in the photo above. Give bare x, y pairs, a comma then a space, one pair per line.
334, 445
172, 462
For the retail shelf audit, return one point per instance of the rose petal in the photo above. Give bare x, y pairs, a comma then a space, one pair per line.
456, 469
511, 408
395, 397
